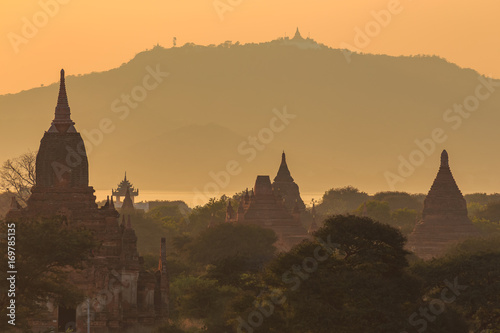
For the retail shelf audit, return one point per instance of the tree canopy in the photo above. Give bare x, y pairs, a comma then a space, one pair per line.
46, 251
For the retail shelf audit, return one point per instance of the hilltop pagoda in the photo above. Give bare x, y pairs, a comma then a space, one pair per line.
300, 42
298, 36
444, 217
122, 189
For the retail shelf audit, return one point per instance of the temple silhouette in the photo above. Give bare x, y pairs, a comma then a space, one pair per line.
444, 217
276, 206
62, 190
122, 189
285, 186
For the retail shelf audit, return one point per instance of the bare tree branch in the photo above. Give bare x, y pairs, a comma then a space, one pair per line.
19, 175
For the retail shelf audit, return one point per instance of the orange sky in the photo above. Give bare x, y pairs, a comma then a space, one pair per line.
85, 36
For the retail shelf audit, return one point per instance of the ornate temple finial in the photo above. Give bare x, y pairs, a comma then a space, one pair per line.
444, 159
62, 122
62, 100
125, 179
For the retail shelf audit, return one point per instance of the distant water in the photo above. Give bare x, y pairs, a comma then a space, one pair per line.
188, 197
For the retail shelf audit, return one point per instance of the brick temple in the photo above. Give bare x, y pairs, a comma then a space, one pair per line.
121, 293
444, 217
265, 208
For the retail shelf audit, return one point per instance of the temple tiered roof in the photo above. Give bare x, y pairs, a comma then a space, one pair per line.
444, 217
264, 208
124, 186
285, 187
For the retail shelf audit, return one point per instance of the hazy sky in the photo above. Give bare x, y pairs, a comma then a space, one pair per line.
91, 35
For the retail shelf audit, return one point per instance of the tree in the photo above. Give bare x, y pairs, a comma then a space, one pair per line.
482, 198
46, 251
491, 212
400, 200
377, 210
471, 268
201, 216
229, 258
351, 278
341, 200
404, 219
232, 250
171, 214
363, 238
18, 174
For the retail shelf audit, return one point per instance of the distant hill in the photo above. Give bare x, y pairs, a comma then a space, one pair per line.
352, 121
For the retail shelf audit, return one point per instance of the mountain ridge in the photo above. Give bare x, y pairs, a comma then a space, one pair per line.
353, 120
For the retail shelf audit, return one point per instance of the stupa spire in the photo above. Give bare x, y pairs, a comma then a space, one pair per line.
444, 191
444, 159
283, 172
444, 217
128, 204
297, 34
62, 122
